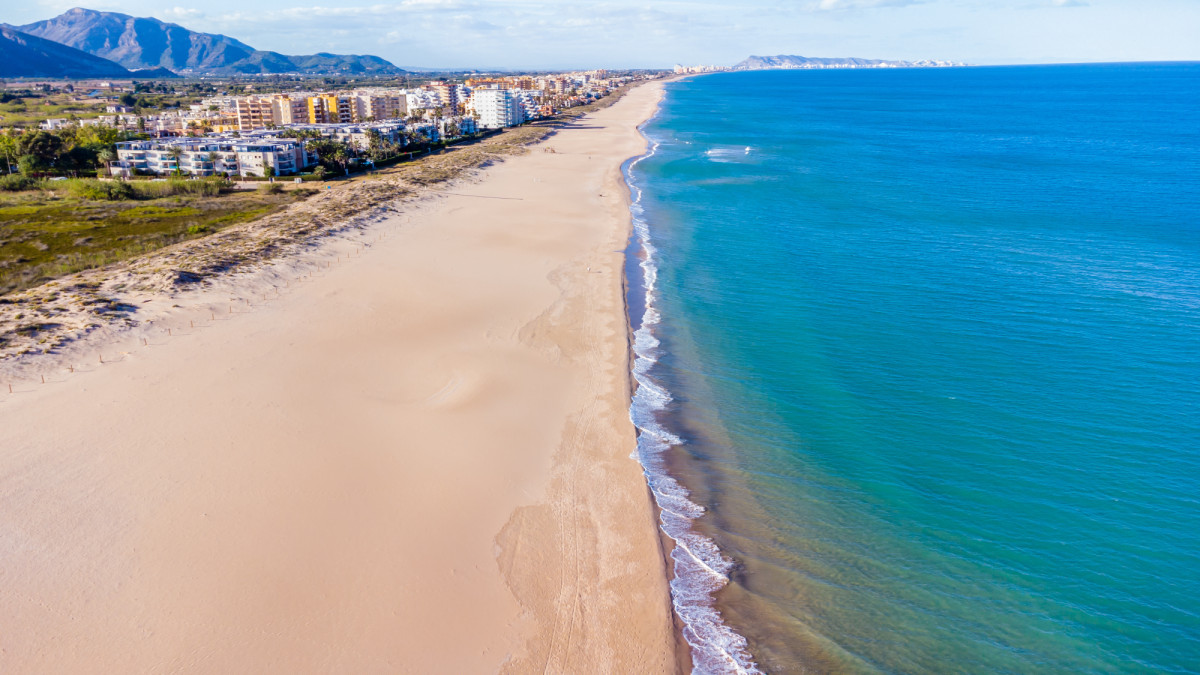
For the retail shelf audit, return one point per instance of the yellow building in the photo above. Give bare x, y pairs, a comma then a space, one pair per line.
330, 109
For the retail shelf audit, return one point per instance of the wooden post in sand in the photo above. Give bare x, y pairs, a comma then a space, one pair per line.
43, 379
168, 332
10, 388
101, 358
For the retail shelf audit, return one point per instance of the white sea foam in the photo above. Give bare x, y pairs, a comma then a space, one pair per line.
727, 154
700, 568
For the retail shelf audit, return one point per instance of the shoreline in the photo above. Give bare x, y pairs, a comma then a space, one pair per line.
301, 488
631, 253
698, 569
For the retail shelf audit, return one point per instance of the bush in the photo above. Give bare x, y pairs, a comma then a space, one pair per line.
17, 183
207, 187
270, 188
152, 189
119, 189
98, 190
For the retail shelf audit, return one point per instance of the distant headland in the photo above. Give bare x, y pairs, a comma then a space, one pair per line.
793, 62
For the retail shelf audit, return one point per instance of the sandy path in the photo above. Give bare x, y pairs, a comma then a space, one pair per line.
417, 461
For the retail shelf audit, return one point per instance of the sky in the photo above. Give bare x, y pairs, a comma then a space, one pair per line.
541, 34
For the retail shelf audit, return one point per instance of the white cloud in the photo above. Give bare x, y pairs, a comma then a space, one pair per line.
180, 13
833, 5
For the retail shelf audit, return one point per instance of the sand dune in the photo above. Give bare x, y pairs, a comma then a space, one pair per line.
415, 460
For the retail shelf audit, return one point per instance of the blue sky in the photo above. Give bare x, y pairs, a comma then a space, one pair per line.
625, 33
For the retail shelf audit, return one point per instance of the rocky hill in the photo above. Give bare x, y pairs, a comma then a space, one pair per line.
137, 42
23, 55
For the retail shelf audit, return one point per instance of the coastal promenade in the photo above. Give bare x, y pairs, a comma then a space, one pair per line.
417, 460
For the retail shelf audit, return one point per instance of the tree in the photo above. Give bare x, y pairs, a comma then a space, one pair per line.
28, 165
106, 157
45, 147
8, 148
342, 157
176, 153
268, 171
213, 158
374, 144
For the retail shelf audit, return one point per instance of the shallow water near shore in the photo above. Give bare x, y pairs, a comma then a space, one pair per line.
922, 350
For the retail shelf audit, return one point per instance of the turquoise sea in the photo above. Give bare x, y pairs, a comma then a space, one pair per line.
918, 356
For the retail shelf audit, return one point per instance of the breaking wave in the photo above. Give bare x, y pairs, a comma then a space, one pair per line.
700, 568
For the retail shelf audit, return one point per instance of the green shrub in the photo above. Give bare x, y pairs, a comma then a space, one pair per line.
119, 190
98, 190
207, 187
270, 188
17, 183
152, 189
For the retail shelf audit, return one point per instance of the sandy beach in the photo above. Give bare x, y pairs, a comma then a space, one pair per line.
415, 459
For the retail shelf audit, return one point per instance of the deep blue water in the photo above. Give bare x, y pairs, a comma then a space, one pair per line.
931, 342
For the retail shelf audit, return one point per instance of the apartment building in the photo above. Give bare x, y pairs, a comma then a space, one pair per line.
420, 100
254, 112
497, 108
379, 106
447, 95
330, 109
212, 156
288, 109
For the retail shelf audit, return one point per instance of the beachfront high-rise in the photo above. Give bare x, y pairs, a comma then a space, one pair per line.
497, 108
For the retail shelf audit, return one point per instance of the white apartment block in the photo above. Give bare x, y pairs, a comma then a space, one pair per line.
497, 108
211, 156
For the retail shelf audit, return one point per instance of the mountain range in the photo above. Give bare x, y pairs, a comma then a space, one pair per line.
138, 42
790, 62
23, 55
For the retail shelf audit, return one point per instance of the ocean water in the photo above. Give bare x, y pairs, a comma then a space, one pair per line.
918, 356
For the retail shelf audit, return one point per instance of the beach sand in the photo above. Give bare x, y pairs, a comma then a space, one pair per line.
416, 460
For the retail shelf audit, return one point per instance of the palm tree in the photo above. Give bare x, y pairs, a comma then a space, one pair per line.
213, 158
176, 152
106, 157
341, 157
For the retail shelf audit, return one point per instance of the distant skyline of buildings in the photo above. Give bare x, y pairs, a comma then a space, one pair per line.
254, 135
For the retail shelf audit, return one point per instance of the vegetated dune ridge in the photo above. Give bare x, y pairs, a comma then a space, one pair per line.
407, 450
